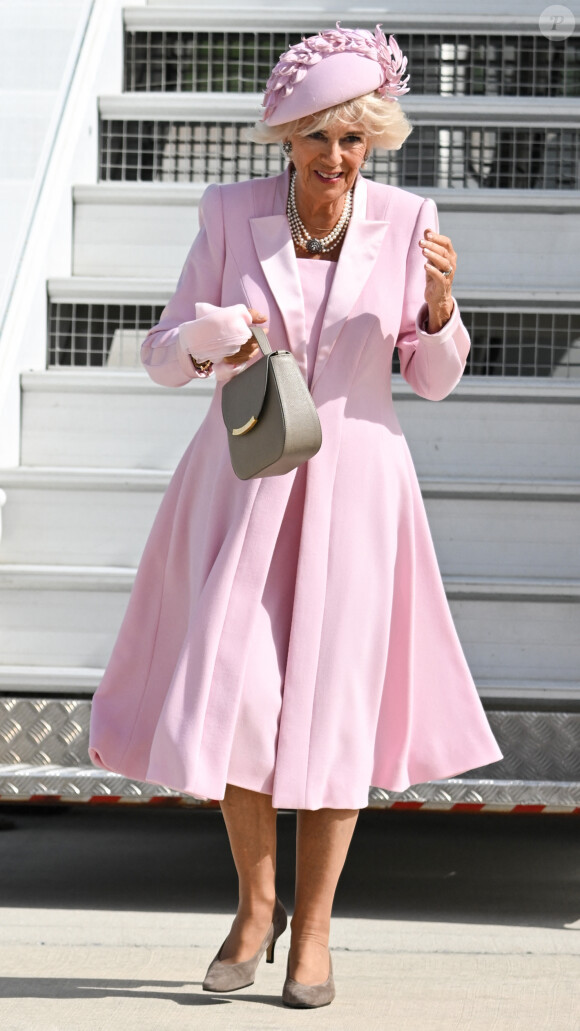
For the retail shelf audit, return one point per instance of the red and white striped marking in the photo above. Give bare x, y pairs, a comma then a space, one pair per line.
177, 801
484, 807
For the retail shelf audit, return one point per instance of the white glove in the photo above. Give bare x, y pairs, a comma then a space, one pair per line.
216, 333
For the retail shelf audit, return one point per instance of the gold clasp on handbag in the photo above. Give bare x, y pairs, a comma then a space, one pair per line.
249, 425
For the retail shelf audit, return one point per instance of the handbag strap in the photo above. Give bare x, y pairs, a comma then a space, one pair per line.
262, 340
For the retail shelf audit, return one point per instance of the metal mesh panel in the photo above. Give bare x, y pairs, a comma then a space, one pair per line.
441, 156
98, 334
504, 343
183, 152
483, 156
233, 62
440, 63
523, 343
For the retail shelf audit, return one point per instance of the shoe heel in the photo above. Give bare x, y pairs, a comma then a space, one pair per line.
229, 977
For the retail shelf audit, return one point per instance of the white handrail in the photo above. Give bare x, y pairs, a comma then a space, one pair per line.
45, 246
43, 165
2, 503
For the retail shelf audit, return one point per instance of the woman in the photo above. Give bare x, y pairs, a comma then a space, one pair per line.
288, 641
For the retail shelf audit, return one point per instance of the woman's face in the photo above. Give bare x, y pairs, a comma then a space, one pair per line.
327, 162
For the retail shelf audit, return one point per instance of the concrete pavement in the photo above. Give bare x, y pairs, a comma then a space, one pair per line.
444, 923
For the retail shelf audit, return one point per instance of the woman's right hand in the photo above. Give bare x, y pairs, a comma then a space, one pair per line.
215, 333
250, 348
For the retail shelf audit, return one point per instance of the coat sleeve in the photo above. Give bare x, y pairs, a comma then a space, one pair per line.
432, 363
201, 280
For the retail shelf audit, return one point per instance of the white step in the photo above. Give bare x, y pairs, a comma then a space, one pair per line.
505, 529
102, 516
79, 516
62, 681
108, 419
530, 694
307, 18
518, 629
520, 639
510, 629
77, 682
495, 428
512, 429
146, 230
421, 108
103, 290
135, 231
130, 290
61, 617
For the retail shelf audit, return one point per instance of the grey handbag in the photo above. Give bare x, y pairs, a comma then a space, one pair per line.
270, 416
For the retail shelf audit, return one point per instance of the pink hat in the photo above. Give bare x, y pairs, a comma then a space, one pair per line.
305, 80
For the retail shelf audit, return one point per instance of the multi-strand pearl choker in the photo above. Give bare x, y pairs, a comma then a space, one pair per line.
300, 234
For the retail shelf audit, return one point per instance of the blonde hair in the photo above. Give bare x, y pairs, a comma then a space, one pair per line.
383, 122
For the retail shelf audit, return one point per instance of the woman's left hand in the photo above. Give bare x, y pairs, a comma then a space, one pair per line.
441, 258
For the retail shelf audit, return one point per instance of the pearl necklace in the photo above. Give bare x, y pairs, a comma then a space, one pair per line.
300, 234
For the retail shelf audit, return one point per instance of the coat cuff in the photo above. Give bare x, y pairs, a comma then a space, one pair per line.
184, 357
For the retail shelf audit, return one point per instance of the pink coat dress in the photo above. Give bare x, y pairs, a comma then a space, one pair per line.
292, 634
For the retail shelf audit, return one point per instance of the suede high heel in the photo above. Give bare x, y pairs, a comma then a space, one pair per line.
308, 996
229, 977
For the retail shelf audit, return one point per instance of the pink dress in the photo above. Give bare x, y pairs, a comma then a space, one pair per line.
262, 695
292, 633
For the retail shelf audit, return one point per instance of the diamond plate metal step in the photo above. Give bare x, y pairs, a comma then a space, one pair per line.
43, 755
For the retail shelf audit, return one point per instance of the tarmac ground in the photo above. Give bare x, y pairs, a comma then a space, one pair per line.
443, 922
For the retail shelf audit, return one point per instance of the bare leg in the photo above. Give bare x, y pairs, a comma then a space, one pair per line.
251, 825
323, 839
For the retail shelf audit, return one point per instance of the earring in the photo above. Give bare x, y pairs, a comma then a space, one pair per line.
287, 148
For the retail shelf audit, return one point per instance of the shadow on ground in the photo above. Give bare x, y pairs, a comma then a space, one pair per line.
484, 868
99, 988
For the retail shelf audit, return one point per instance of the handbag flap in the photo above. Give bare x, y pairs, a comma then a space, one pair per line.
243, 397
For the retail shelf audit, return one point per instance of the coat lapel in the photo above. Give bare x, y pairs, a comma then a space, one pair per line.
275, 250
360, 250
